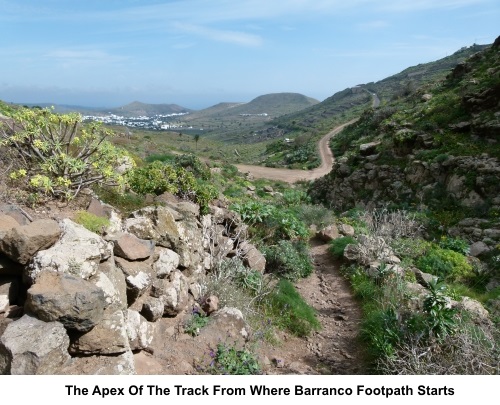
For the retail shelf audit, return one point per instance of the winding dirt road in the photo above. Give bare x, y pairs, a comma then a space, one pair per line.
291, 176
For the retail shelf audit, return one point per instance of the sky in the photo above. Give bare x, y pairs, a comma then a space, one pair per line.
197, 53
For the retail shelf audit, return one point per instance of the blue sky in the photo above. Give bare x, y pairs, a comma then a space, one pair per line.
197, 53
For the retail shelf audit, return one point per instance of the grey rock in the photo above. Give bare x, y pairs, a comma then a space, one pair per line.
478, 248
368, 148
15, 212
140, 332
9, 289
77, 252
76, 303
167, 262
111, 280
252, 257
152, 309
31, 346
6, 224
329, 233
210, 305
173, 291
346, 230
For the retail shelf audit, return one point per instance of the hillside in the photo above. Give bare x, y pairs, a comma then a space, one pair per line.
137, 108
171, 266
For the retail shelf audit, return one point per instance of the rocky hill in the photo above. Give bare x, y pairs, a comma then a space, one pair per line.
436, 149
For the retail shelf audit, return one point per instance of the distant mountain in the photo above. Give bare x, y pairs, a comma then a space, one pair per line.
272, 105
137, 108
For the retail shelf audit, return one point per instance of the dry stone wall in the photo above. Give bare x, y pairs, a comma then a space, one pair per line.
75, 302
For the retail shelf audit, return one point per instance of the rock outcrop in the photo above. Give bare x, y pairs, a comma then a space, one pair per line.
90, 301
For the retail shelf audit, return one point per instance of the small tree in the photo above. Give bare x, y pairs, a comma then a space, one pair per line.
59, 155
196, 139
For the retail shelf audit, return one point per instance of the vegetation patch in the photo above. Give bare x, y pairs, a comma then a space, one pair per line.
290, 312
92, 222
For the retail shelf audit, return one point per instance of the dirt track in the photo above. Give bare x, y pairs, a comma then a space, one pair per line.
291, 176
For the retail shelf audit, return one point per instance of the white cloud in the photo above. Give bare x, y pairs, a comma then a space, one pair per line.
70, 57
234, 37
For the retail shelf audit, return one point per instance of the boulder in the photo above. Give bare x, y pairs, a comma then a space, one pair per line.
76, 303
140, 331
478, 313
22, 242
252, 257
423, 278
108, 337
228, 322
328, 233
478, 248
167, 262
111, 280
189, 246
138, 276
132, 248
346, 230
31, 346
368, 148
173, 291
137, 285
156, 223
152, 309
77, 252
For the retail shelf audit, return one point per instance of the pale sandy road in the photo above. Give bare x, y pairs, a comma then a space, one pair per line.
291, 176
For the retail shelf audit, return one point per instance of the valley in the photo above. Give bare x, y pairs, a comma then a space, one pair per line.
356, 235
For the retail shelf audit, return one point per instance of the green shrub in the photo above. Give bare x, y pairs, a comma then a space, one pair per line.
440, 318
317, 215
295, 197
380, 330
410, 247
288, 259
164, 157
57, 155
446, 264
90, 221
194, 165
337, 246
289, 311
125, 202
272, 222
228, 360
157, 178
195, 323
456, 244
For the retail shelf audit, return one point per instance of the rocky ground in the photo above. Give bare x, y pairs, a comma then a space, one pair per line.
332, 350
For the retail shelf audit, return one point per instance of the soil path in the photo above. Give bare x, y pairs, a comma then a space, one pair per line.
291, 176
334, 349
